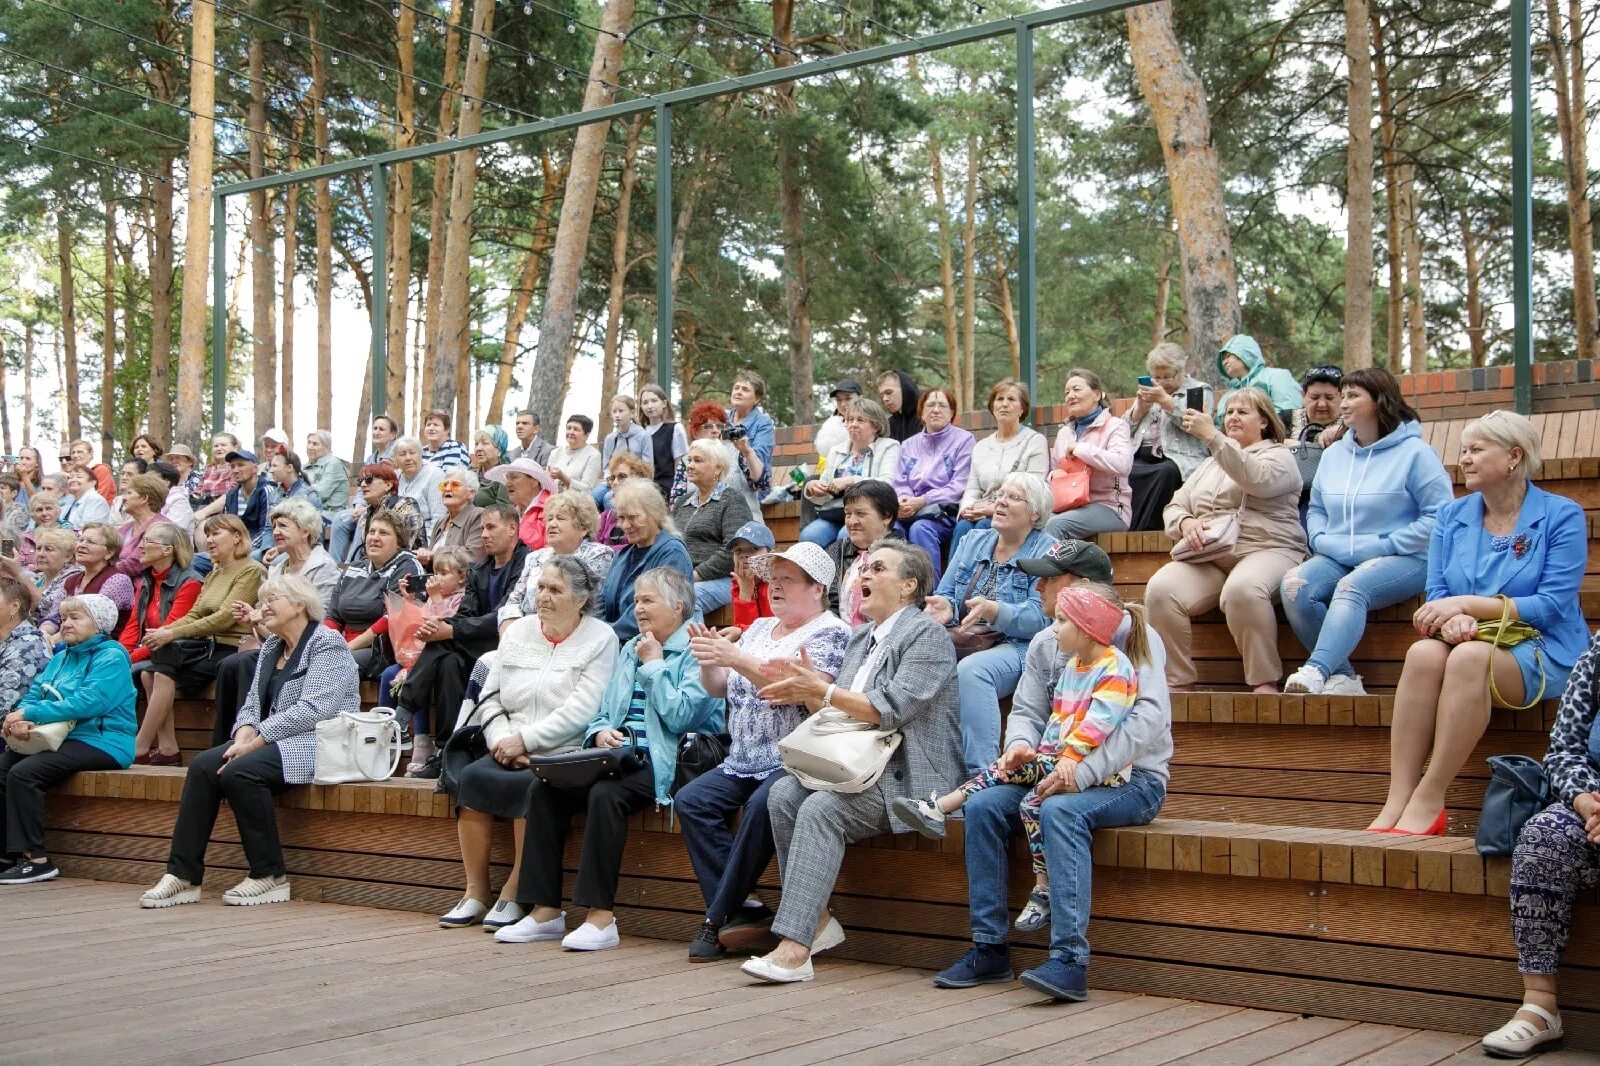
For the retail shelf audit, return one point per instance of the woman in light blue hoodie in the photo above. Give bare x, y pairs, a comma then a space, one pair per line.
1373, 505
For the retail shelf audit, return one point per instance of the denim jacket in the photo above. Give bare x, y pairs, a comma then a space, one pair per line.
1021, 611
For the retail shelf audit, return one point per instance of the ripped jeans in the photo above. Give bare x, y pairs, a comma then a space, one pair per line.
1327, 603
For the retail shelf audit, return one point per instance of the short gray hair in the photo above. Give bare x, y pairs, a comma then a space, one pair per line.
464, 474
1040, 500
718, 452
295, 587
582, 582
1509, 430
57, 481
1169, 357
638, 492
324, 438
299, 511
407, 442
676, 589
914, 564
873, 412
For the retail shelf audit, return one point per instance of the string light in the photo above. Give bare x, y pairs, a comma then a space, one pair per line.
28, 148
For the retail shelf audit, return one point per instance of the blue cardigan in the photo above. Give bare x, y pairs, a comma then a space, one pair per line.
616, 595
1541, 572
92, 684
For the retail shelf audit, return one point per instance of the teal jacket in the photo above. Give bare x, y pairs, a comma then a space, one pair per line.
91, 684
1278, 384
675, 703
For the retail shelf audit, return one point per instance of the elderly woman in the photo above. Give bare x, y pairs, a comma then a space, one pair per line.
931, 476
1012, 448
379, 486
130, 469
297, 546
528, 487
575, 463
992, 609
53, 566
1242, 366
96, 554
653, 542
488, 452
624, 465
13, 512
1557, 857
1376, 496
419, 480
898, 674
869, 512
570, 521
303, 676
654, 696
83, 505
147, 494
326, 472
164, 591
23, 650
870, 453
1252, 475
187, 653
1164, 453
726, 864
1506, 549
1099, 440
461, 524
543, 690
357, 604
44, 512
708, 516
86, 683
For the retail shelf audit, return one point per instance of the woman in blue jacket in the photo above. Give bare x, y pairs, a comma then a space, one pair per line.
89, 683
652, 541
1376, 495
1509, 547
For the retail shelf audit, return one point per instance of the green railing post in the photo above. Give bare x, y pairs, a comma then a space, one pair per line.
1027, 276
380, 288
663, 249
1522, 203
219, 311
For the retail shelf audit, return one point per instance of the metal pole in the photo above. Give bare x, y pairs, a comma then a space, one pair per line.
663, 248
1522, 203
380, 288
219, 312
1027, 276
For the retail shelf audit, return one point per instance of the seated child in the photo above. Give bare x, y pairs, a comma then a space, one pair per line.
443, 590
1096, 692
749, 591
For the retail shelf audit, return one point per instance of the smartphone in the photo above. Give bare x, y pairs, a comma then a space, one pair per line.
1146, 380
1195, 399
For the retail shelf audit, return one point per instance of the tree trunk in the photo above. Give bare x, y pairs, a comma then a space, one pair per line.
1178, 103
527, 285
197, 224
69, 326
619, 261
5, 390
364, 408
1411, 241
438, 207
1389, 138
322, 200
548, 385
1568, 73
1475, 325
398, 270
1008, 316
263, 315
130, 330
796, 286
159, 251
27, 384
233, 325
453, 338
947, 264
969, 271
1158, 321
1358, 188
108, 340
291, 246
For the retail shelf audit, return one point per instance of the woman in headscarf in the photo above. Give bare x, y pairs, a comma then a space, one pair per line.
489, 451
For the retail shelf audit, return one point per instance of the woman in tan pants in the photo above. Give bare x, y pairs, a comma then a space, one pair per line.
1250, 472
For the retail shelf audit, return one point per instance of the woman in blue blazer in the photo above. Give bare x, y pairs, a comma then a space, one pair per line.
1508, 540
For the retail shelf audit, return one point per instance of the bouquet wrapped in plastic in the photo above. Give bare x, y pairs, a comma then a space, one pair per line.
407, 616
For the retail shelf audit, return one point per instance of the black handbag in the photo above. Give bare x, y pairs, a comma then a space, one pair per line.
1518, 790
463, 748
697, 754
574, 771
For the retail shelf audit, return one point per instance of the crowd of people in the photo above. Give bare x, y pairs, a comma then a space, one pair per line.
578, 596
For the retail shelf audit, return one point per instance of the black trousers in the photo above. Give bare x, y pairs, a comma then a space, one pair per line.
607, 805
233, 685
1153, 482
437, 684
24, 779
248, 784
727, 864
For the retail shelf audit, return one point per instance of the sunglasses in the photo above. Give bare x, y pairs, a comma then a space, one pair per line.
1330, 375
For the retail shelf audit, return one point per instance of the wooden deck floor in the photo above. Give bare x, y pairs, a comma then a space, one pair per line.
85, 976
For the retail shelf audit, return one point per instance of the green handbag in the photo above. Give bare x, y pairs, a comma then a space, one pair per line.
1508, 632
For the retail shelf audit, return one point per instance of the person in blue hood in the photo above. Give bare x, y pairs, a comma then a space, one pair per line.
1373, 503
1243, 366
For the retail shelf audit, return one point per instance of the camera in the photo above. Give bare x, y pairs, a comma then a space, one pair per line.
731, 433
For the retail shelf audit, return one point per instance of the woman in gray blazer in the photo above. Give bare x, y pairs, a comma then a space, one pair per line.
899, 673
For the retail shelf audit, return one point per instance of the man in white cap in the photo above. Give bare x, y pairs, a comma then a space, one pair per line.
528, 485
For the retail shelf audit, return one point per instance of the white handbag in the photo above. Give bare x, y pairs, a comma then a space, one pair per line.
833, 752
355, 746
47, 737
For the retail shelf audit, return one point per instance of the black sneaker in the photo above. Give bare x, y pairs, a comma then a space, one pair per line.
28, 871
983, 964
705, 947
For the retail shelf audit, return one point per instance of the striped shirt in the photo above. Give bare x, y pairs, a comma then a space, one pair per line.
1089, 703
450, 453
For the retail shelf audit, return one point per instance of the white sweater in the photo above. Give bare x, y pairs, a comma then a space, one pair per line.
1027, 453
550, 693
582, 466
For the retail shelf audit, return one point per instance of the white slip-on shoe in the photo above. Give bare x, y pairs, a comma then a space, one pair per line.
1520, 1037
762, 970
468, 912
254, 891
832, 936
527, 931
589, 937
504, 912
1306, 681
1344, 685
170, 891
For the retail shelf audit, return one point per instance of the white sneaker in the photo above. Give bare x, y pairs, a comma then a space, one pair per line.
468, 912
1520, 1037
832, 936
762, 970
170, 891
254, 891
503, 913
1344, 685
588, 937
1306, 681
528, 930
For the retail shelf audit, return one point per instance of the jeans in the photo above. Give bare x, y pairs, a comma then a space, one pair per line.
982, 678
601, 494
1084, 522
341, 531
727, 864
1069, 820
964, 527
1327, 603
712, 595
822, 532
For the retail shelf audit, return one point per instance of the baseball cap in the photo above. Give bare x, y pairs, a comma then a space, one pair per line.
850, 385
249, 457
1077, 557
756, 535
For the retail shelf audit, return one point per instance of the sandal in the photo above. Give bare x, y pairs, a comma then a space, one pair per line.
1520, 1037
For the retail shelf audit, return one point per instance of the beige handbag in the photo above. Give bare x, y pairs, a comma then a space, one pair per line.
833, 752
1221, 535
41, 738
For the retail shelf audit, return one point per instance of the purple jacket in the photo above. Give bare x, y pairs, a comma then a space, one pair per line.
935, 465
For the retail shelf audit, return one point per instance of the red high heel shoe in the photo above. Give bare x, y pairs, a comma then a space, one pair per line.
1435, 830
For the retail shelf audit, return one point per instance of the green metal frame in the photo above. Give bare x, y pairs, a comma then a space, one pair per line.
1020, 27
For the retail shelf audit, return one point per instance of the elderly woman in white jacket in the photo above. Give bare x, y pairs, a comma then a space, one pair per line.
543, 688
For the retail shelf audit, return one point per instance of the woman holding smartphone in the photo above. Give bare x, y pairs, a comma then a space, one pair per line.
1164, 453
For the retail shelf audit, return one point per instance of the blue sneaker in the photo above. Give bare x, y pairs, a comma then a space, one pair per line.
1059, 980
983, 964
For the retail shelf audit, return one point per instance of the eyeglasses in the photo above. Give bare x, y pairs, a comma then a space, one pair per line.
1012, 495
877, 568
452, 484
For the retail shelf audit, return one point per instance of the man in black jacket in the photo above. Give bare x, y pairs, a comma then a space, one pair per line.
438, 681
